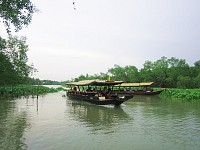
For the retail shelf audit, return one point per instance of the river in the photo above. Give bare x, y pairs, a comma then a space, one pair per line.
53, 122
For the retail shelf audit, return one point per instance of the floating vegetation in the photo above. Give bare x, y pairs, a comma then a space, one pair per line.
182, 94
26, 90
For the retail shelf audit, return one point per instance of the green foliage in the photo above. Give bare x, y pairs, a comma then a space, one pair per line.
118, 73
17, 13
184, 82
13, 63
90, 77
25, 90
7, 73
16, 51
197, 63
127, 74
182, 94
44, 82
164, 72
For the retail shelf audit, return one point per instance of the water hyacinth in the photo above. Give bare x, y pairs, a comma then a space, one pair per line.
182, 94
25, 90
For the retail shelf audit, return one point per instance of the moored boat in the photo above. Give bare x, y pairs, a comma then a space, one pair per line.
99, 92
143, 88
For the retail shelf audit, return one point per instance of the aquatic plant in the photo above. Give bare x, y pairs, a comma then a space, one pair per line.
26, 90
182, 94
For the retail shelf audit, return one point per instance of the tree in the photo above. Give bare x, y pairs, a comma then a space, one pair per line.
197, 63
146, 72
17, 13
7, 74
117, 73
164, 72
6, 68
127, 73
159, 72
161, 63
13, 67
185, 82
173, 62
16, 51
197, 81
13, 64
131, 73
148, 65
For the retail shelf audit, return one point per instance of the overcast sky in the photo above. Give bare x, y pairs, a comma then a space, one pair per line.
65, 43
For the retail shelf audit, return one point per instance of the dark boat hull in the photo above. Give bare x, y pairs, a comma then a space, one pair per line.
147, 92
116, 101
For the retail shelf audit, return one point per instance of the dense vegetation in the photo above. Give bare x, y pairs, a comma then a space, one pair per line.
173, 73
182, 94
16, 13
13, 66
14, 70
44, 82
25, 90
13, 59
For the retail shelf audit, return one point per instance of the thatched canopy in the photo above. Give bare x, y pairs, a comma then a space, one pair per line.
96, 82
136, 84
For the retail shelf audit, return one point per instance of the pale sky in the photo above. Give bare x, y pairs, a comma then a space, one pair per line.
65, 43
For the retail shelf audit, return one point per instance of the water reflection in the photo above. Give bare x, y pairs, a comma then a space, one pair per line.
166, 107
13, 124
97, 118
54, 122
145, 98
174, 122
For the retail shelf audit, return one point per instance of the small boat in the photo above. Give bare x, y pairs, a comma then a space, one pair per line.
143, 88
99, 92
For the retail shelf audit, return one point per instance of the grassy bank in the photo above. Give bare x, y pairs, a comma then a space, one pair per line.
182, 94
25, 90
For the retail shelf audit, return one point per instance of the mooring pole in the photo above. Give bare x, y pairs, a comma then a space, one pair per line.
38, 88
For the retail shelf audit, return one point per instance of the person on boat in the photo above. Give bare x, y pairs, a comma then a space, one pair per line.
89, 89
103, 92
106, 92
75, 90
109, 91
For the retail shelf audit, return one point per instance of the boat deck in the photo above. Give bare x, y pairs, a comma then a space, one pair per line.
102, 98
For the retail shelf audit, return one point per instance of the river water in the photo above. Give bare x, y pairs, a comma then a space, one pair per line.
53, 122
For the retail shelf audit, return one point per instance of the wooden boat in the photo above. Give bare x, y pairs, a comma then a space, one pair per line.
143, 88
96, 92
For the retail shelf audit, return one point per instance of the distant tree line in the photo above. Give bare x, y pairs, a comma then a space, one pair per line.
173, 73
44, 82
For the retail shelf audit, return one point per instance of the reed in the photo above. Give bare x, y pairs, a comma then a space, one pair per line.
182, 94
25, 90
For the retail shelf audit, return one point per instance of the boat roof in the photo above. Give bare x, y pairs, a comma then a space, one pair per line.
136, 84
96, 82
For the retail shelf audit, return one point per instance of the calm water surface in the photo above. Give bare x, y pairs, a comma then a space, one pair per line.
55, 123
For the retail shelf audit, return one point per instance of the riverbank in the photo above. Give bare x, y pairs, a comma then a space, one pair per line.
182, 94
25, 90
